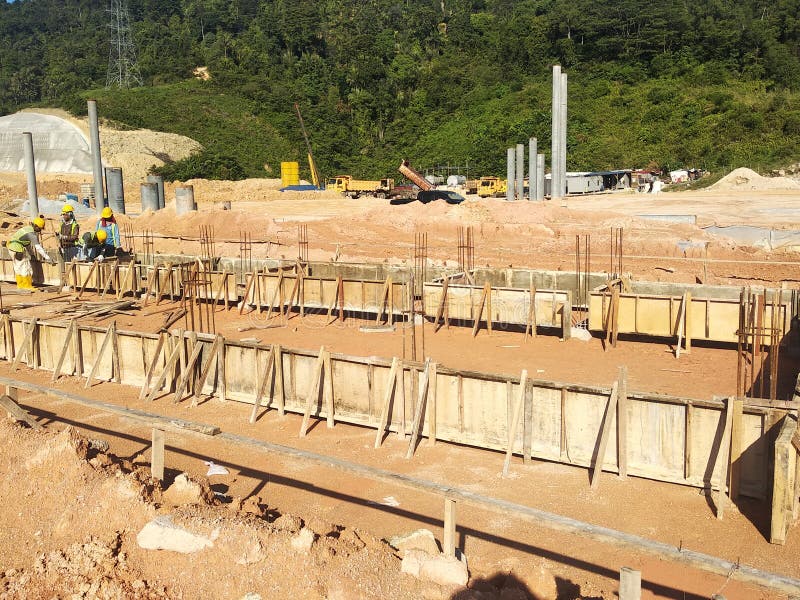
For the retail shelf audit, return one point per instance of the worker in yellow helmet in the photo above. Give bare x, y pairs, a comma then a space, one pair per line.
108, 224
68, 236
23, 245
92, 244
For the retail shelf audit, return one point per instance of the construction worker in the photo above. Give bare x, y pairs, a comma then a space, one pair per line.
68, 236
108, 224
20, 245
92, 245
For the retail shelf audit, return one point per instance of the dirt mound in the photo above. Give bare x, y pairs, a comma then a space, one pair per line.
747, 179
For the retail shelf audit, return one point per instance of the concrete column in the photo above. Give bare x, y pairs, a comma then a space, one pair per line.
562, 132
555, 146
510, 177
520, 171
184, 200
116, 193
532, 156
30, 171
97, 163
150, 198
159, 181
540, 176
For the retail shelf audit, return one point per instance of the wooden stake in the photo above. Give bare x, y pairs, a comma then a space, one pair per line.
680, 326
313, 390
187, 370
384, 300
25, 345
17, 412
605, 433
262, 384
150, 283
247, 288
723, 458
419, 411
449, 537
477, 323
157, 455
151, 369
391, 386
64, 349
223, 382
279, 380
737, 445
86, 281
328, 391
205, 370
173, 358
432, 410
442, 303
622, 421
687, 324
109, 335
530, 325
512, 431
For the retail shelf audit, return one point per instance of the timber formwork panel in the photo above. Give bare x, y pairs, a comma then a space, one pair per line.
670, 439
710, 319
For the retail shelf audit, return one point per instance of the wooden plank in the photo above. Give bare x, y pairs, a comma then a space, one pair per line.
442, 302
25, 345
689, 432
432, 401
527, 423
150, 283
386, 293
116, 371
687, 324
622, 421
313, 390
605, 433
477, 323
419, 410
221, 376
64, 350
157, 455
630, 584
562, 445
262, 384
530, 323
86, 281
247, 288
196, 427
17, 412
210, 361
128, 282
151, 369
187, 370
680, 325
391, 387
512, 431
723, 458
106, 340
279, 389
737, 445
783, 483
171, 361
328, 391
460, 384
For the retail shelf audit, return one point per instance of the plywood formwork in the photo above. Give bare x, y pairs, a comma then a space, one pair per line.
786, 481
509, 306
666, 438
710, 319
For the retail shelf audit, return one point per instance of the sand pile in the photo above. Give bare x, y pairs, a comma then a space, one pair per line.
747, 179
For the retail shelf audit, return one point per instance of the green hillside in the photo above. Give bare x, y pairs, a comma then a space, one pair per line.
712, 85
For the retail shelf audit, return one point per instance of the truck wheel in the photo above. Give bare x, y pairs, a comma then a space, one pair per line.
381, 195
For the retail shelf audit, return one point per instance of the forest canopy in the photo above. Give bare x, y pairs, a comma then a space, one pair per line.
710, 84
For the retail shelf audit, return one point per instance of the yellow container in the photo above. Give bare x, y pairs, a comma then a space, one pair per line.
290, 173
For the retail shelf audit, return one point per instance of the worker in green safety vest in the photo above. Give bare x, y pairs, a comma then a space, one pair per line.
22, 246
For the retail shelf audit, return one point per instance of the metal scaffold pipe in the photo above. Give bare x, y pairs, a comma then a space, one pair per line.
30, 171
97, 163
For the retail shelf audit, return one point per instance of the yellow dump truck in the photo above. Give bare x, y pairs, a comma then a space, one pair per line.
491, 187
354, 188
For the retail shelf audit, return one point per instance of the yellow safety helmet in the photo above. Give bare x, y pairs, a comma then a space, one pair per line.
67, 208
101, 235
107, 214
38, 222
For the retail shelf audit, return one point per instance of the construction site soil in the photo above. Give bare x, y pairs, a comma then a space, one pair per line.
71, 515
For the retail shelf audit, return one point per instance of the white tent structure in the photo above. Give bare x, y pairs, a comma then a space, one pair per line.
58, 145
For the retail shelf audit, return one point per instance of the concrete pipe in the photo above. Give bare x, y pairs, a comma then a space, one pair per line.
184, 200
149, 196
533, 145
510, 173
116, 193
520, 172
159, 181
